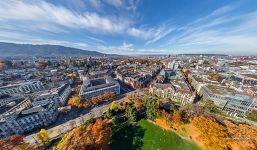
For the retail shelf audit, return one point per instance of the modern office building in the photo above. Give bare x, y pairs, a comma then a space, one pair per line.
98, 86
228, 100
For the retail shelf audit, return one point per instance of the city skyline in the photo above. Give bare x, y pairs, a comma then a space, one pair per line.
134, 27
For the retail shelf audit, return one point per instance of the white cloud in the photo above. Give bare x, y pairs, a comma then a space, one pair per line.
27, 39
159, 34
137, 32
128, 49
237, 39
132, 5
151, 34
219, 32
95, 3
115, 3
38, 12
126, 46
90, 43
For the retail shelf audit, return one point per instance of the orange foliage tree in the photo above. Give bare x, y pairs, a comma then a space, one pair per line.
213, 134
2, 66
242, 136
74, 101
176, 119
14, 142
214, 76
94, 136
138, 104
87, 104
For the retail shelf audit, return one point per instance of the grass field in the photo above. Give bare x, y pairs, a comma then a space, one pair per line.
147, 136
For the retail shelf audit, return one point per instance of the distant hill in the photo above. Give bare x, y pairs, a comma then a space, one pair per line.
12, 49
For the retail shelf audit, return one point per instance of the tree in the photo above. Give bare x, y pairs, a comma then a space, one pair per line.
114, 106
43, 136
74, 101
146, 99
95, 135
115, 120
213, 134
242, 136
111, 95
131, 113
87, 104
151, 110
130, 96
72, 75
176, 119
2, 66
12, 142
138, 104
109, 114
214, 76
108, 95
95, 100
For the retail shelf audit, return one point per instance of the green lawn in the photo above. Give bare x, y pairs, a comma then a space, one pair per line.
147, 136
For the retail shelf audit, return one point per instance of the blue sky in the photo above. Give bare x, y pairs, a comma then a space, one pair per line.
134, 26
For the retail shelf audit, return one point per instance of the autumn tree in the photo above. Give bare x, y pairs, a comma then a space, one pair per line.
214, 76
213, 134
138, 104
72, 75
242, 136
2, 66
87, 104
43, 136
130, 96
123, 105
91, 137
164, 119
94, 100
114, 106
74, 101
14, 142
176, 119
111, 95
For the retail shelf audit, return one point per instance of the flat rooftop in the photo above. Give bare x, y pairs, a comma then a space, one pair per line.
98, 83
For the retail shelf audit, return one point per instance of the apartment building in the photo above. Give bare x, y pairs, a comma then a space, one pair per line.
19, 122
167, 90
58, 95
98, 86
23, 87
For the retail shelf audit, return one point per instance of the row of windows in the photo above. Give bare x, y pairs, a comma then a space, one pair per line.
20, 89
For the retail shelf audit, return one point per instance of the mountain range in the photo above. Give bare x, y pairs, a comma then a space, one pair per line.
13, 49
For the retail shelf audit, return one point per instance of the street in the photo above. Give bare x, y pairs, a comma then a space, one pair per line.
59, 130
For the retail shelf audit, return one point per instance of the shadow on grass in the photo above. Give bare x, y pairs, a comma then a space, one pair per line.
127, 136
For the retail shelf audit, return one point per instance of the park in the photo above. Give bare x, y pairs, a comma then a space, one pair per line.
147, 136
